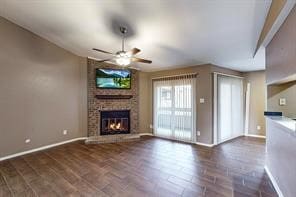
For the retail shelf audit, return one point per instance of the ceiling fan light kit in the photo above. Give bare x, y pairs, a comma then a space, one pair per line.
124, 58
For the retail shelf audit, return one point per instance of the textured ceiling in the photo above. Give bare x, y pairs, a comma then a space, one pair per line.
172, 33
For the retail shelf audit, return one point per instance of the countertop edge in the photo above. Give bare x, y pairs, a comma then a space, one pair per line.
288, 123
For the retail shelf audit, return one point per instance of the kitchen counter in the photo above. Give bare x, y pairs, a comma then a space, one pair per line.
281, 149
288, 123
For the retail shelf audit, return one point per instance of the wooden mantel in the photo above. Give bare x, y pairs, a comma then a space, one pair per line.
101, 96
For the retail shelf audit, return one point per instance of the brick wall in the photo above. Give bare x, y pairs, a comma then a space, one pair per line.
95, 105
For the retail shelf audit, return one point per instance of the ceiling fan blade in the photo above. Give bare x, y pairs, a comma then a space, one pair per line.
134, 51
135, 59
104, 60
102, 51
135, 68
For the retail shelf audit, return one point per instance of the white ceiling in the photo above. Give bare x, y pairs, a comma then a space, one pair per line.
172, 33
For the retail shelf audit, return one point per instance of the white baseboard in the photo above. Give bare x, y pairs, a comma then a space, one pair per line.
258, 136
204, 144
41, 148
274, 183
146, 134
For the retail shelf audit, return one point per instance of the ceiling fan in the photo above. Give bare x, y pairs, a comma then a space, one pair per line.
124, 58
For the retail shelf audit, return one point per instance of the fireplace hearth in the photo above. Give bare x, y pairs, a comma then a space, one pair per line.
115, 122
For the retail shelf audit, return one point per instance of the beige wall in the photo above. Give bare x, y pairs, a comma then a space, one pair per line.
144, 103
43, 91
287, 91
204, 90
281, 51
257, 101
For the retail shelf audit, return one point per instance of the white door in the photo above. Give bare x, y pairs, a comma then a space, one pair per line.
174, 109
229, 108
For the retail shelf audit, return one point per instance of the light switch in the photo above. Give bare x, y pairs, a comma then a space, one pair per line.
283, 101
201, 100
258, 127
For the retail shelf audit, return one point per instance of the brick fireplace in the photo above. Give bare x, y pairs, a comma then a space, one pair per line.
104, 100
115, 122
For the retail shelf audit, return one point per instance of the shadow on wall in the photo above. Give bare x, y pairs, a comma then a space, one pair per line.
286, 93
273, 90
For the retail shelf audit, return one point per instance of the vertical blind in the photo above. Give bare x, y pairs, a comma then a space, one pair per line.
230, 107
175, 107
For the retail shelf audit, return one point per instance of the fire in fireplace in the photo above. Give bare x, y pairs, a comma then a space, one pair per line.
115, 122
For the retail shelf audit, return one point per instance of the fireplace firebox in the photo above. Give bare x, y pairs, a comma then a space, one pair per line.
115, 122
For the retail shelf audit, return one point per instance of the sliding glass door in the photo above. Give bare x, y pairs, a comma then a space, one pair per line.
229, 108
174, 108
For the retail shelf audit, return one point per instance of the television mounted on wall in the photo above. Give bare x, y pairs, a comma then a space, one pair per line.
113, 78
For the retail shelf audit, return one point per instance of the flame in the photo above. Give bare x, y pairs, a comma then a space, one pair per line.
114, 126
118, 126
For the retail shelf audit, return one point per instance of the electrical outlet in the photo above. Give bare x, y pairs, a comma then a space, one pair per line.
151, 126
258, 127
27, 141
65, 132
198, 133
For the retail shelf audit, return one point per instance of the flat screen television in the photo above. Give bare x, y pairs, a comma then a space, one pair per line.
113, 78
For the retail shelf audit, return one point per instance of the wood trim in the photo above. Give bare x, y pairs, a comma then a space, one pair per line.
101, 96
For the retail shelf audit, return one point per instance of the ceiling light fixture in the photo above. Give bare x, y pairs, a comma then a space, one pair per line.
123, 58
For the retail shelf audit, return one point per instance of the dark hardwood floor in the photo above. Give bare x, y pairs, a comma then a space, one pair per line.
149, 167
